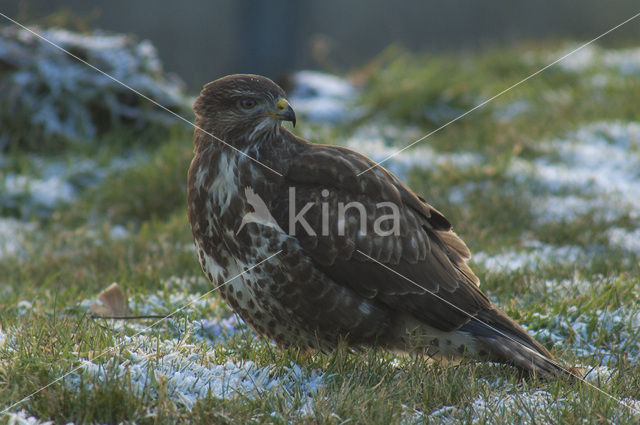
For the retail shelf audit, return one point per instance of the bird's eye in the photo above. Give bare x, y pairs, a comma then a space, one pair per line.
247, 103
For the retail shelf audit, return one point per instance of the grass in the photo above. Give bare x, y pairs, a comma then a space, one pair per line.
131, 228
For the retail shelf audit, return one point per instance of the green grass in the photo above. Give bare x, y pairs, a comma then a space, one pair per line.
584, 315
407, 88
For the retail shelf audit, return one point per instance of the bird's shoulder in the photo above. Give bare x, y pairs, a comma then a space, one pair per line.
348, 171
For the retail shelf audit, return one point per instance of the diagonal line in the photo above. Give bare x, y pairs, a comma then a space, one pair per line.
480, 105
43, 38
472, 317
123, 344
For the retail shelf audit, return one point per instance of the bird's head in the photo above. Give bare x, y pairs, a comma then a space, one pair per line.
242, 107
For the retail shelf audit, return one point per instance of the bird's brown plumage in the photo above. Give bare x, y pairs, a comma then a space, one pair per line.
403, 290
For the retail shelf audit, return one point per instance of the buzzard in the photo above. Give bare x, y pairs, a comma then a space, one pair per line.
356, 258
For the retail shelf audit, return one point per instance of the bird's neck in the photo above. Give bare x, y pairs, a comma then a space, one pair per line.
267, 159
204, 142
219, 141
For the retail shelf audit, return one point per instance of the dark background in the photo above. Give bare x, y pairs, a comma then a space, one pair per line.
202, 40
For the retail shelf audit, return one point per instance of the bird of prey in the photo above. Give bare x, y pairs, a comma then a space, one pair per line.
356, 258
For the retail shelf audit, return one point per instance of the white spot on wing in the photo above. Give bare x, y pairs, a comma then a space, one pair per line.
365, 307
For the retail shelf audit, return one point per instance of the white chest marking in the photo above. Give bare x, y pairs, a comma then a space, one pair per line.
224, 187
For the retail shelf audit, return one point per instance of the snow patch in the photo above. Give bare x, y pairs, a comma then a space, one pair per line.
14, 235
572, 287
580, 331
45, 192
625, 61
599, 375
21, 417
565, 209
55, 182
525, 406
578, 61
379, 142
518, 407
217, 329
598, 164
625, 239
118, 232
181, 297
185, 363
622, 61
539, 255
323, 98
508, 112
54, 92
179, 294
24, 307
189, 373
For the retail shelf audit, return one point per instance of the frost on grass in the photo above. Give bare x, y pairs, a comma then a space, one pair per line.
625, 239
572, 287
184, 363
45, 192
596, 170
380, 142
594, 173
181, 297
46, 89
506, 113
577, 61
188, 373
622, 61
601, 337
529, 407
526, 407
21, 417
535, 255
14, 236
53, 182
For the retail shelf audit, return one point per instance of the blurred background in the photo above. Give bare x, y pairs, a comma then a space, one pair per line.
202, 40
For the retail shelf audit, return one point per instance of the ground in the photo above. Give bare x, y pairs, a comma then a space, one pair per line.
543, 184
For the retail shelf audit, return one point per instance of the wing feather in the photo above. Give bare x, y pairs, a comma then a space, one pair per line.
420, 269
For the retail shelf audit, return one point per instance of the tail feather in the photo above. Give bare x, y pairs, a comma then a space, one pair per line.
507, 342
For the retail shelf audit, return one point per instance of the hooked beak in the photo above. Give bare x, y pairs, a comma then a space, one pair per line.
284, 111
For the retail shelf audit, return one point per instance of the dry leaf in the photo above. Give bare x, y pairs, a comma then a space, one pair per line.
112, 301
